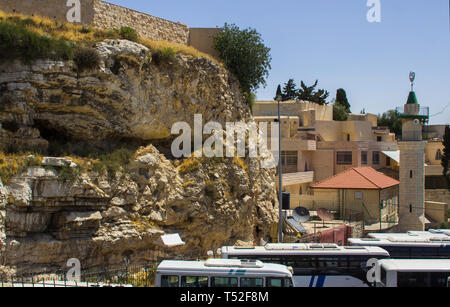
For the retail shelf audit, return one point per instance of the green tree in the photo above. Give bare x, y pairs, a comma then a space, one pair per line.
339, 112
289, 90
341, 99
392, 120
245, 55
279, 93
309, 93
446, 155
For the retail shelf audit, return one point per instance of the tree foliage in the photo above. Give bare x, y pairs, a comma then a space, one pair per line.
305, 93
392, 120
245, 55
446, 155
339, 112
309, 93
289, 90
341, 99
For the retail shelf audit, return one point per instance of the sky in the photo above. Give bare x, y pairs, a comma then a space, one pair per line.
332, 41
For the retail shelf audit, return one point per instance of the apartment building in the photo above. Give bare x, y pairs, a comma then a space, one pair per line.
314, 147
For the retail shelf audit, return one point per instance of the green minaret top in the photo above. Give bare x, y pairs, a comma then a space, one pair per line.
412, 99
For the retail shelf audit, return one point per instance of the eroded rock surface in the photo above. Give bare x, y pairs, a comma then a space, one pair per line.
46, 219
97, 218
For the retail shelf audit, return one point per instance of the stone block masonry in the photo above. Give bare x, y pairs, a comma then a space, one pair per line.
104, 15
108, 16
53, 9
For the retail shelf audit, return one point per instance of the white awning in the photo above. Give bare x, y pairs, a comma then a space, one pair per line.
172, 240
297, 178
394, 155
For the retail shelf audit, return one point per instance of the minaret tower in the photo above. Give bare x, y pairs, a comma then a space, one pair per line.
412, 164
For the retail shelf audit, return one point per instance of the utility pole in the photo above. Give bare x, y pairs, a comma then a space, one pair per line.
279, 98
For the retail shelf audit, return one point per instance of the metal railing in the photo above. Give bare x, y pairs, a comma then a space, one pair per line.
132, 276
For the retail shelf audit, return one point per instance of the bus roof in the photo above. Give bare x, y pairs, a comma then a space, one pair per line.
221, 266
303, 249
414, 265
402, 241
444, 234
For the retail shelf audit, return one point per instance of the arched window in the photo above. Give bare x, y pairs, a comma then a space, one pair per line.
438, 155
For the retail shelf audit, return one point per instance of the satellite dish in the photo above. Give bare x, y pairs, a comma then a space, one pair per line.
301, 215
325, 215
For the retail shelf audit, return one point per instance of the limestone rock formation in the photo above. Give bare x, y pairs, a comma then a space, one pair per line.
128, 97
99, 216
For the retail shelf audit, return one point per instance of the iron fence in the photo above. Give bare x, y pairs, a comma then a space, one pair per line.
130, 276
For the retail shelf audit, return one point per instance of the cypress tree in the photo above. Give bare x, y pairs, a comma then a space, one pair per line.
289, 90
341, 99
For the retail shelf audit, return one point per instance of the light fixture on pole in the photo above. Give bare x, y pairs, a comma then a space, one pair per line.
279, 98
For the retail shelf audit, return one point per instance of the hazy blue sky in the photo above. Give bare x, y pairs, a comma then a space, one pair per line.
332, 41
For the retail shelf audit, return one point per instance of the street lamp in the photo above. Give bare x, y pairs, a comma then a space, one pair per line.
279, 98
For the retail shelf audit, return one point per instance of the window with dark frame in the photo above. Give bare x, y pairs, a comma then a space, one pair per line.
364, 159
376, 158
345, 158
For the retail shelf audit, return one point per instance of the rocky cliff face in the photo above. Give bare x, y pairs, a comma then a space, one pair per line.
129, 97
98, 216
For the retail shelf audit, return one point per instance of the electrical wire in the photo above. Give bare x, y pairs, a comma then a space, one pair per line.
448, 105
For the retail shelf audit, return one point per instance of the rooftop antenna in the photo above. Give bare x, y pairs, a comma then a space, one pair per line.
412, 78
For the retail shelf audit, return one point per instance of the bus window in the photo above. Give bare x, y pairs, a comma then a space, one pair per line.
273, 282
331, 262
383, 277
413, 280
252, 283
194, 282
399, 252
169, 281
224, 282
425, 252
439, 280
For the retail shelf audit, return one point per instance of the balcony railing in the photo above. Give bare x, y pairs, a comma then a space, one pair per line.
424, 113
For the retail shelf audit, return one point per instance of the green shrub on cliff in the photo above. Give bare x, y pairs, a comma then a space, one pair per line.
16, 41
13, 164
86, 58
114, 161
245, 55
163, 55
129, 34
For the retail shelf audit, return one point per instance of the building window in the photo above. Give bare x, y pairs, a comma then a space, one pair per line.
411, 174
438, 155
410, 208
289, 158
388, 161
348, 138
358, 195
364, 158
376, 158
345, 158
379, 138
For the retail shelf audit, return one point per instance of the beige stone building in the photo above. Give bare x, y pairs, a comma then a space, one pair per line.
314, 147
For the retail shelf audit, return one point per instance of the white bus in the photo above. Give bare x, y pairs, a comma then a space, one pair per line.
315, 265
398, 273
222, 273
409, 246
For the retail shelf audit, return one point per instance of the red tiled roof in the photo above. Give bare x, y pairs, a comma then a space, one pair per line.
362, 178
